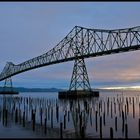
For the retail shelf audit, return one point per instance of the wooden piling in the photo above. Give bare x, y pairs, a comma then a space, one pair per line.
0, 113
45, 127
64, 121
26, 113
122, 121
52, 118
127, 105
116, 123
126, 131
139, 126
99, 109
91, 116
3, 116
115, 108
139, 109
111, 109
61, 130
24, 119
16, 116
96, 121
68, 115
133, 109
33, 122
82, 132
32, 114
111, 133
6, 116
57, 113
20, 116
41, 116
125, 113
119, 110
101, 127
108, 106
104, 107
104, 118
48, 112
80, 121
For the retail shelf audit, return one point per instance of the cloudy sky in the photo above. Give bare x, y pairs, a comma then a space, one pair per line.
29, 29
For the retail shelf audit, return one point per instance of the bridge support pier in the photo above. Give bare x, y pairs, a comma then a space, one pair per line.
8, 87
79, 86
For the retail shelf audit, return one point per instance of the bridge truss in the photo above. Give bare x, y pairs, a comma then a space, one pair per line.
80, 43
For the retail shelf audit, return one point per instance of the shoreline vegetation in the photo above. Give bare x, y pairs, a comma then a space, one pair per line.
23, 89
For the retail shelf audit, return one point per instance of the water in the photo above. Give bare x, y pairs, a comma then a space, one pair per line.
88, 117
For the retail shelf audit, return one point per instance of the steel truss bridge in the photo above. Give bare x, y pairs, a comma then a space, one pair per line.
80, 43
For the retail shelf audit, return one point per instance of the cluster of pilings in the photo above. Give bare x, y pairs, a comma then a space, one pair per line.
106, 117
112, 116
47, 116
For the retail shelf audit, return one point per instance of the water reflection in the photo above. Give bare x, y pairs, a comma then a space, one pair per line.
105, 117
80, 111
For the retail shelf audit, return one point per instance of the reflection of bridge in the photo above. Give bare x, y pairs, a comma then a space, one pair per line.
80, 43
81, 112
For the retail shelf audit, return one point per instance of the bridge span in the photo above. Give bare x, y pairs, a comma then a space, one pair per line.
78, 44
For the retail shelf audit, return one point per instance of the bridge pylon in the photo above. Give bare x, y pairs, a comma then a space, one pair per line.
79, 79
79, 85
8, 84
8, 87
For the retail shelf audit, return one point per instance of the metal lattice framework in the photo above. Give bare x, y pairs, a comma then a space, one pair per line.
79, 78
8, 84
78, 44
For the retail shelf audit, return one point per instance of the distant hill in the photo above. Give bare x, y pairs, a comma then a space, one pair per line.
22, 89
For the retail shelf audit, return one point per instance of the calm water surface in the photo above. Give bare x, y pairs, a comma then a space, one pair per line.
88, 117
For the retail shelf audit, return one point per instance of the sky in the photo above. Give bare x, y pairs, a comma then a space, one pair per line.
29, 29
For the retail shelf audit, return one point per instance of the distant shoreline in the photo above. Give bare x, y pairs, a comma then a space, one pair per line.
120, 90
22, 89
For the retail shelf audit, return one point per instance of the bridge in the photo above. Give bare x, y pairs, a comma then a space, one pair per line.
78, 44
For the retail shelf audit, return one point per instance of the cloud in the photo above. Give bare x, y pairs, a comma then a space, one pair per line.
30, 29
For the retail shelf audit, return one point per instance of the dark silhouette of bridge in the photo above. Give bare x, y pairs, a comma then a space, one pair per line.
80, 43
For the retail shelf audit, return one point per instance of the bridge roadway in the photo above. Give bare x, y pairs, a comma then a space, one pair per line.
80, 43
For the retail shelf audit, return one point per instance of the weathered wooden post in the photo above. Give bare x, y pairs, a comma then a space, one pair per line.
101, 127
96, 121
104, 118
111, 133
82, 132
33, 121
45, 128
122, 121
68, 115
57, 113
6, 116
126, 131
139, 126
61, 130
24, 119
90, 116
115, 108
111, 109
108, 106
52, 118
116, 123
41, 116
133, 109
16, 116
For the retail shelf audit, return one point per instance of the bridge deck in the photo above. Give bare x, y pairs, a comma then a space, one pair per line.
80, 43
